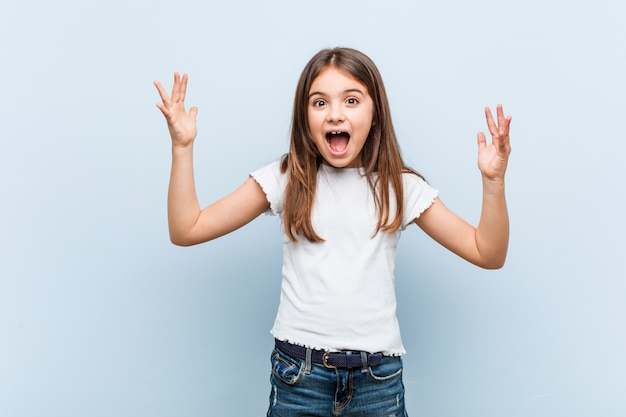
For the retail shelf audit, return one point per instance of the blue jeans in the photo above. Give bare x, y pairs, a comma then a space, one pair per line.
302, 389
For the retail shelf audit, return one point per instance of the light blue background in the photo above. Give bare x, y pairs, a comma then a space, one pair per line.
101, 316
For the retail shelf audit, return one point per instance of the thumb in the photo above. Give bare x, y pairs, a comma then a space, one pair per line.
193, 112
482, 141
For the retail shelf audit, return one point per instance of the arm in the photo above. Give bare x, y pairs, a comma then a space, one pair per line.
486, 245
188, 225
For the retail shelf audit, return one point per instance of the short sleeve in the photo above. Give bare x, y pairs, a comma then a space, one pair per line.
418, 196
273, 183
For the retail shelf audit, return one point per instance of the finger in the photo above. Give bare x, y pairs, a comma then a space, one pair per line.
506, 124
503, 143
176, 88
491, 124
193, 112
503, 131
500, 115
162, 93
183, 87
503, 121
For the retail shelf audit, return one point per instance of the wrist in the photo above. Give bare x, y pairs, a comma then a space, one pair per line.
178, 149
493, 183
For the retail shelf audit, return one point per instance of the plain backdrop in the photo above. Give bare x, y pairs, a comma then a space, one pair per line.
101, 316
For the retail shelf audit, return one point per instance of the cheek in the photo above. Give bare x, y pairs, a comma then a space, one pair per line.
310, 119
314, 122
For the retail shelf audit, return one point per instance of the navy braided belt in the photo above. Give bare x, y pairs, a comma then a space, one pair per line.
341, 360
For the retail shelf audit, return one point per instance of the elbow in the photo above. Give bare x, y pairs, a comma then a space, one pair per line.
181, 240
181, 243
493, 267
178, 242
188, 239
493, 264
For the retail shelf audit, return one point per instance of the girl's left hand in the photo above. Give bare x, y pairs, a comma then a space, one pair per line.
493, 158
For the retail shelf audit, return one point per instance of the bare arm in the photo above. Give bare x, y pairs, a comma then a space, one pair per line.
485, 245
188, 224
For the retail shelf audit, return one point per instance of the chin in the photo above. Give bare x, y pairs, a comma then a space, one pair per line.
347, 163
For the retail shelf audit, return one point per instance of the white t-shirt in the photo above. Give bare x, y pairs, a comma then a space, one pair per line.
339, 294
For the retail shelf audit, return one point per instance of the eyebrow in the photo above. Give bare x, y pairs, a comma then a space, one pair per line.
350, 90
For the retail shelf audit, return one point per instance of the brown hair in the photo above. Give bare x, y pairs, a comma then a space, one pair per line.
380, 157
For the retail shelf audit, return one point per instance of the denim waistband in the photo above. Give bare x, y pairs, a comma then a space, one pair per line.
341, 360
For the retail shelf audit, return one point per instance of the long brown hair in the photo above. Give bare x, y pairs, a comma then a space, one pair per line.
380, 157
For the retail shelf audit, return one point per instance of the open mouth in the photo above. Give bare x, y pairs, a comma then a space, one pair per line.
337, 141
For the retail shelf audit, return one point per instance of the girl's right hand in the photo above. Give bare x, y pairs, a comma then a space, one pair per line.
181, 124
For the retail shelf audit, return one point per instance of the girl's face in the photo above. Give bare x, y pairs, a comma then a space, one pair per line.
340, 114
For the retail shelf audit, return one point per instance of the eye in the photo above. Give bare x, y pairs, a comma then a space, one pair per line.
352, 100
318, 103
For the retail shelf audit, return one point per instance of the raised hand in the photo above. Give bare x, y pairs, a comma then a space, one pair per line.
182, 124
493, 158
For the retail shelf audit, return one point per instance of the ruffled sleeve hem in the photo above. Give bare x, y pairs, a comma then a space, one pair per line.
272, 182
418, 197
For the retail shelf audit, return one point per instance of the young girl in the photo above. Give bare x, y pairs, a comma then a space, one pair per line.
344, 195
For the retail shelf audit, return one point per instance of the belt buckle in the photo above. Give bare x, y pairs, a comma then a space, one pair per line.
325, 361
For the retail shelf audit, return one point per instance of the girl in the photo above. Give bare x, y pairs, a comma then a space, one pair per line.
344, 195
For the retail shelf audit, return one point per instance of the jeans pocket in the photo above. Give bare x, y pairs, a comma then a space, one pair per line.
286, 368
390, 368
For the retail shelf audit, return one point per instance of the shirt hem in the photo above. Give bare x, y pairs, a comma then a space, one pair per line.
314, 347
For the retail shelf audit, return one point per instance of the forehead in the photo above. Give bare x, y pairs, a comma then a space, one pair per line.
332, 79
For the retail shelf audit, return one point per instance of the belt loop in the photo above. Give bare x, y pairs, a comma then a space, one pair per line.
349, 359
363, 362
307, 362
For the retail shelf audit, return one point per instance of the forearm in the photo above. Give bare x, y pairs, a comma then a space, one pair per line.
492, 233
183, 208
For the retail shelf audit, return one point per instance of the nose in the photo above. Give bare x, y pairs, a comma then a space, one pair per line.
335, 114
